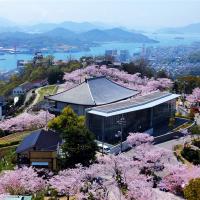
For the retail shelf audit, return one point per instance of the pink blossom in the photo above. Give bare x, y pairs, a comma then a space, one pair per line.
26, 121
21, 181
178, 177
195, 96
132, 81
136, 139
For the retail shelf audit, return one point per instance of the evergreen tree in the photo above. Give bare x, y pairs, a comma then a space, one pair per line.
79, 145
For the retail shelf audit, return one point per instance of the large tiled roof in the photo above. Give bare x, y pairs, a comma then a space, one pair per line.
40, 140
94, 91
134, 104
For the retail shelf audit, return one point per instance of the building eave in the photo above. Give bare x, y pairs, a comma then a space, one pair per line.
134, 108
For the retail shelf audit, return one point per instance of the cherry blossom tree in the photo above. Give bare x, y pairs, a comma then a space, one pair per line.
132, 81
178, 177
195, 96
26, 121
68, 181
21, 181
136, 139
132, 174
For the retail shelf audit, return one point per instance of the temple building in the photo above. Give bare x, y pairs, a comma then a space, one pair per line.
140, 114
110, 108
92, 92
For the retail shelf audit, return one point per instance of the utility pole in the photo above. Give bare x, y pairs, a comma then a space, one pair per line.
122, 123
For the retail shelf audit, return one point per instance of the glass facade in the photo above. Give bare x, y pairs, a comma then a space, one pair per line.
106, 128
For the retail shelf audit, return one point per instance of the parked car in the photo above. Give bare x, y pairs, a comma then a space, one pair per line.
103, 148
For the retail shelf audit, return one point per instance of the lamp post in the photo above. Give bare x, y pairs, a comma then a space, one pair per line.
47, 107
122, 123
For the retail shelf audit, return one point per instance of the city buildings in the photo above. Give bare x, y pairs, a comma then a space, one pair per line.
119, 56
124, 56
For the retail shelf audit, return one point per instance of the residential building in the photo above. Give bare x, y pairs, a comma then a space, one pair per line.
22, 89
22, 63
39, 149
27, 86
39, 83
2, 107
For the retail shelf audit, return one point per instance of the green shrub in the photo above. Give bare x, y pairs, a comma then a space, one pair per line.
195, 130
8, 161
171, 122
191, 155
192, 190
179, 115
196, 142
3, 133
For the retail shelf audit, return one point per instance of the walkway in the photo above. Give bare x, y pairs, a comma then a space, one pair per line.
169, 145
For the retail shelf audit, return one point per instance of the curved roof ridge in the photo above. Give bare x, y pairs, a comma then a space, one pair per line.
122, 85
91, 94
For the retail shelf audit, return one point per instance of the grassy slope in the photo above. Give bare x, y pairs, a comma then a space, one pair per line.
14, 137
48, 90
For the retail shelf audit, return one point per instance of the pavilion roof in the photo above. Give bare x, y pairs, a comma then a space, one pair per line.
94, 91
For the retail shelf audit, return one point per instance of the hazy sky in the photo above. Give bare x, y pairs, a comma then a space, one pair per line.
131, 13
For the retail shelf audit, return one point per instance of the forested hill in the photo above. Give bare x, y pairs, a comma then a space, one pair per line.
61, 36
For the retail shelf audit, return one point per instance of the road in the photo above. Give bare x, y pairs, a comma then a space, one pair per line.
169, 145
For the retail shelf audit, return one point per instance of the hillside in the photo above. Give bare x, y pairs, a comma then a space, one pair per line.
72, 26
192, 28
61, 36
6, 25
115, 34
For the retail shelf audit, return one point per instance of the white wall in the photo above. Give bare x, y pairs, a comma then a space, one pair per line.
0, 112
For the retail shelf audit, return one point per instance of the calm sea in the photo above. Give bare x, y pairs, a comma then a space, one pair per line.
9, 61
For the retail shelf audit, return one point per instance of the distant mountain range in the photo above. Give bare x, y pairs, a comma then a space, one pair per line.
62, 36
192, 28
6, 25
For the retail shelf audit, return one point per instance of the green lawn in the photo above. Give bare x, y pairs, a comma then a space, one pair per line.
48, 90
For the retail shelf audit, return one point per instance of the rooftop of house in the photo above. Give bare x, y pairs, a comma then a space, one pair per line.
40, 140
134, 104
39, 81
94, 91
25, 85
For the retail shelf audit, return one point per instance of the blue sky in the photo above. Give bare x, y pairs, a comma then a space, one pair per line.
130, 13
